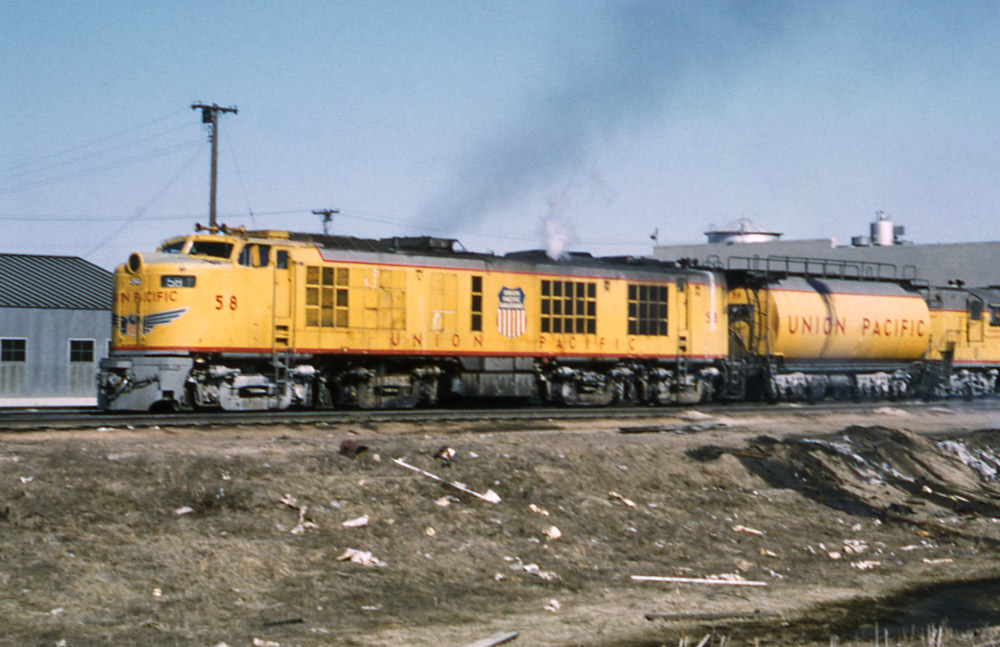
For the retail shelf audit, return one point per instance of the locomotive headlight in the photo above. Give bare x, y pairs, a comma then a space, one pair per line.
135, 262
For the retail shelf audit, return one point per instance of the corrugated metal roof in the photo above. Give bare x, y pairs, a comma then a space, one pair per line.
64, 282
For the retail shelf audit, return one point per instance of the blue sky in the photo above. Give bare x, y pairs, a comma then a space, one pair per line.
495, 121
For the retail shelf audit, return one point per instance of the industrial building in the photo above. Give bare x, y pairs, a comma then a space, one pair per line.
743, 242
55, 326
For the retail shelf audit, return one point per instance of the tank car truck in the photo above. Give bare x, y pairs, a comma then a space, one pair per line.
251, 320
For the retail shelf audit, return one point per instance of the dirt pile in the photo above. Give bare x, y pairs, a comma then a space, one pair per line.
176, 536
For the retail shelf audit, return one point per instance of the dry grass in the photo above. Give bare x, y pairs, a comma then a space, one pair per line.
93, 550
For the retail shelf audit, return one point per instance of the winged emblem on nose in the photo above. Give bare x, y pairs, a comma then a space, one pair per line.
129, 325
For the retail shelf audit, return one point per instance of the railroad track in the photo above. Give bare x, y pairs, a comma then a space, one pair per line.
24, 420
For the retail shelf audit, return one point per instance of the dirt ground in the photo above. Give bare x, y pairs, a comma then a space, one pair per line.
794, 526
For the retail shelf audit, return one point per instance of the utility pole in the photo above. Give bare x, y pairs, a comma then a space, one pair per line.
327, 217
210, 116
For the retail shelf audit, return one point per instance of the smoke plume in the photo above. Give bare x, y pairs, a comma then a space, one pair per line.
655, 50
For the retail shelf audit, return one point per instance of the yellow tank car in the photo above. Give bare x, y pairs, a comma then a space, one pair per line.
813, 335
965, 340
257, 320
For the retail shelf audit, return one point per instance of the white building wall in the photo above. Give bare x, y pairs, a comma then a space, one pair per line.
47, 377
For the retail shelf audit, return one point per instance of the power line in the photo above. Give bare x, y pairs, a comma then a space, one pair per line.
90, 143
17, 188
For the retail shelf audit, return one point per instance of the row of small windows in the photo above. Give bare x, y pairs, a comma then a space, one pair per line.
16, 350
647, 309
327, 296
569, 307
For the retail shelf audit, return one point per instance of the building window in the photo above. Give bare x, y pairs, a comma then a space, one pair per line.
326, 296
13, 350
81, 350
647, 309
476, 324
569, 307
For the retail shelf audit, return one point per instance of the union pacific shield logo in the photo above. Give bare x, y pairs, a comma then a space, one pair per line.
511, 320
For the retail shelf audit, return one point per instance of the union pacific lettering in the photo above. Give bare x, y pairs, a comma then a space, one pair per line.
816, 325
827, 326
149, 296
890, 327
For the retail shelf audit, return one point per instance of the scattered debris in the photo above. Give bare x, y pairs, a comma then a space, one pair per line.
553, 605
494, 640
445, 454
352, 448
429, 531
360, 522
183, 510
157, 592
26, 479
855, 546
260, 642
866, 565
302, 525
552, 533
443, 502
891, 411
362, 557
695, 415
628, 502
287, 621
710, 616
542, 511
489, 496
768, 553
732, 579
752, 531
940, 560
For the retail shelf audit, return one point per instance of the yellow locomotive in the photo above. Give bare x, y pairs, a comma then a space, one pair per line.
250, 320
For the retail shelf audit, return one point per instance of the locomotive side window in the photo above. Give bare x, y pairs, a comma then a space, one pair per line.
327, 296
569, 307
975, 310
476, 324
647, 309
173, 248
282, 259
994, 314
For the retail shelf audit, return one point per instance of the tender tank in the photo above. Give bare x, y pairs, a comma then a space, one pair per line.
808, 319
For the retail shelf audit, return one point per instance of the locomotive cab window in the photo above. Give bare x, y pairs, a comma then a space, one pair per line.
975, 310
212, 248
255, 256
647, 309
174, 247
994, 314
